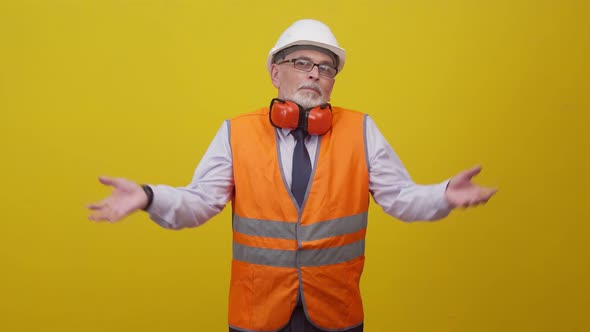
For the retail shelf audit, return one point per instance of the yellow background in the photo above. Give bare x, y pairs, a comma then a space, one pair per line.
138, 88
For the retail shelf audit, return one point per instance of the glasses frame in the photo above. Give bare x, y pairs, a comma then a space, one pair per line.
294, 60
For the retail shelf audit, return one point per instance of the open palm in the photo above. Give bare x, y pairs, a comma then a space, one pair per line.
126, 198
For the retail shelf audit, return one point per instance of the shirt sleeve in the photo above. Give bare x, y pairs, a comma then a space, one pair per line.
211, 188
391, 185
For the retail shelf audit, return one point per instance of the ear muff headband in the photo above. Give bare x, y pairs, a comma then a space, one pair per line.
289, 115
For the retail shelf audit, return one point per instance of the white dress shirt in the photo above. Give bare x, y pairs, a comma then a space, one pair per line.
212, 185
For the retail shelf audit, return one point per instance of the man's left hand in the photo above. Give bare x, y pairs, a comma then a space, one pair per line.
461, 192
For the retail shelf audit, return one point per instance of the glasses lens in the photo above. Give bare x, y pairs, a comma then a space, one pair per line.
327, 71
306, 65
303, 64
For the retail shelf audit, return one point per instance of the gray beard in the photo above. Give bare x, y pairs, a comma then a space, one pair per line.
307, 100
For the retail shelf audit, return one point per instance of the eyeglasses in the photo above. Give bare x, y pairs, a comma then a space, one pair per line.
307, 66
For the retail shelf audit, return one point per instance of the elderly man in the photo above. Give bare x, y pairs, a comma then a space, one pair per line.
299, 173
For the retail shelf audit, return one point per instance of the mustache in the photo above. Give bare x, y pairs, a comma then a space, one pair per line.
314, 86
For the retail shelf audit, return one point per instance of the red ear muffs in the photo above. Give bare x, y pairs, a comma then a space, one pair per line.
319, 120
288, 115
284, 114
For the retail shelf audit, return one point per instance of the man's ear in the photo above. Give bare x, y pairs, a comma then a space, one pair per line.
274, 75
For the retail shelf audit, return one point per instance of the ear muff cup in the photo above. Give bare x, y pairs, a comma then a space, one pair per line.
289, 115
284, 114
319, 120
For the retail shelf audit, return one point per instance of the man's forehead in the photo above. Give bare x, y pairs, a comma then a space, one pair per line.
304, 49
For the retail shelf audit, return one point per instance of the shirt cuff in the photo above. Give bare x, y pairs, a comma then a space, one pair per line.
441, 203
160, 205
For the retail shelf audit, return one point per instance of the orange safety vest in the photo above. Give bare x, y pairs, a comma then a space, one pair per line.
280, 251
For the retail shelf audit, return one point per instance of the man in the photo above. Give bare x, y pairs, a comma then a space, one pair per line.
299, 174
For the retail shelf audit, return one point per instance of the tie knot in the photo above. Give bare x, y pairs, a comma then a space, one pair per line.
299, 134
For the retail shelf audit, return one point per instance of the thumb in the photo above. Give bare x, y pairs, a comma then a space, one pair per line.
464, 176
107, 180
468, 174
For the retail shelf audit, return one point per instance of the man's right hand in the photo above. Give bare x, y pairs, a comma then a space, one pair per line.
127, 197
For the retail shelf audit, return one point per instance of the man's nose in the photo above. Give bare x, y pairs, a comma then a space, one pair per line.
314, 73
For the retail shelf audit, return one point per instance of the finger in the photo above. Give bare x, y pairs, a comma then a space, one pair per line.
466, 175
484, 195
492, 192
473, 171
98, 205
106, 214
487, 193
98, 216
475, 202
107, 180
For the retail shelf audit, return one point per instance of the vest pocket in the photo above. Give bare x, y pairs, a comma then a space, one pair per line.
240, 295
261, 297
355, 306
331, 293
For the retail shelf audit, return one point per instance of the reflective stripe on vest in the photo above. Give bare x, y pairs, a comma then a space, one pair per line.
287, 231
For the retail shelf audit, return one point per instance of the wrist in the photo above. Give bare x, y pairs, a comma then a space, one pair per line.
150, 196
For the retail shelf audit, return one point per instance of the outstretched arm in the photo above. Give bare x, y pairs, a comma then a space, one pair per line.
176, 207
393, 189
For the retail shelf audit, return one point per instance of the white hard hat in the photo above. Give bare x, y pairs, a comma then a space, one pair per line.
308, 32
